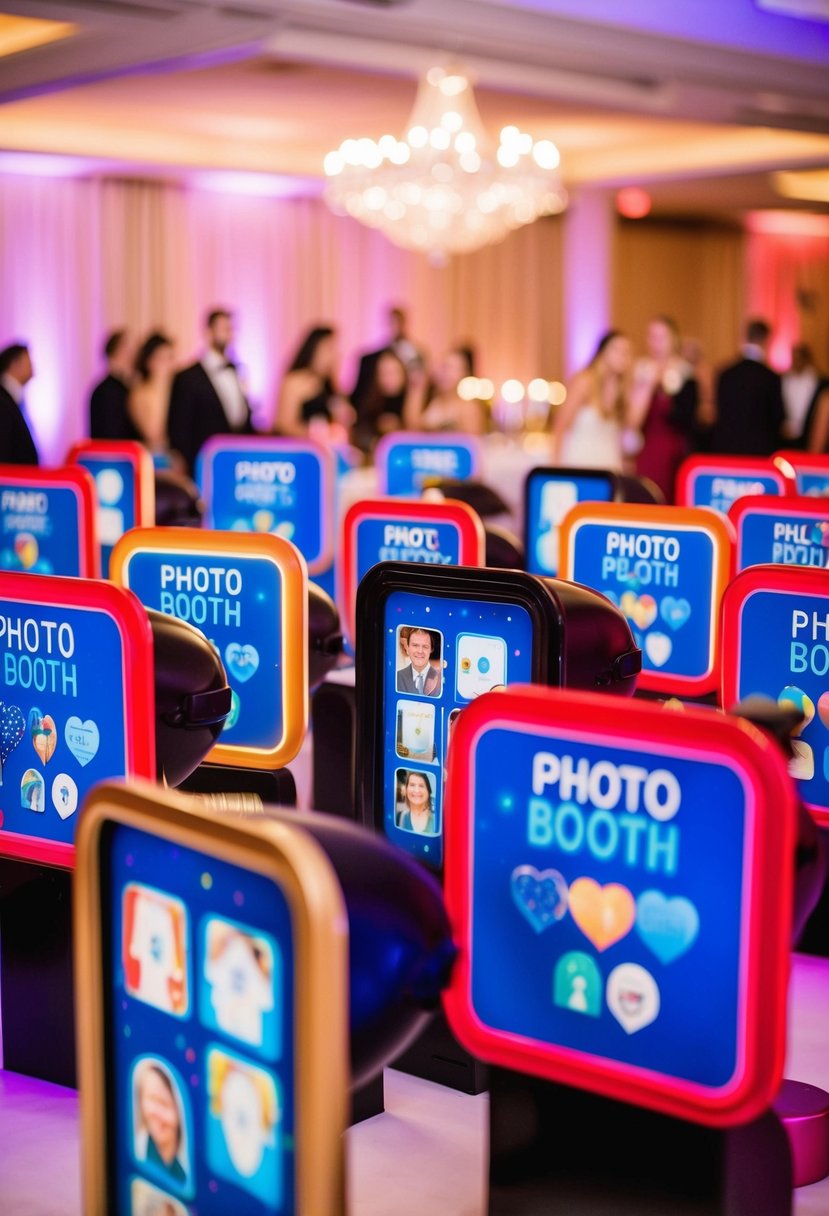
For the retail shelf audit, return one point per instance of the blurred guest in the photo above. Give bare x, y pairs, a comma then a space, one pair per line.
394, 393
399, 343
587, 432
207, 397
108, 414
308, 399
149, 397
663, 404
800, 383
447, 410
816, 428
16, 443
693, 355
749, 400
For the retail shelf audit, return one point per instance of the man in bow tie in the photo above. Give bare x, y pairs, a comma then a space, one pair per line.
16, 443
207, 397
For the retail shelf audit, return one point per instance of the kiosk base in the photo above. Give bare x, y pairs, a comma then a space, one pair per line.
558, 1150
436, 1055
275, 787
334, 727
367, 1101
37, 1005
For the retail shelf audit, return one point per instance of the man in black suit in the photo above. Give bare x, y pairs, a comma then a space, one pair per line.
403, 347
207, 398
16, 443
419, 676
109, 417
749, 401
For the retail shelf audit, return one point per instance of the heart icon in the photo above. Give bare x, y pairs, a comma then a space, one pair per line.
44, 734
642, 609
668, 927
604, 914
12, 730
241, 661
658, 648
82, 739
632, 997
674, 612
539, 896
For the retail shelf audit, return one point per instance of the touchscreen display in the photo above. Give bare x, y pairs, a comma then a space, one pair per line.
549, 498
199, 979
439, 654
63, 714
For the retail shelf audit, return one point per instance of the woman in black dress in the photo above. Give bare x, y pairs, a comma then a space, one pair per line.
308, 398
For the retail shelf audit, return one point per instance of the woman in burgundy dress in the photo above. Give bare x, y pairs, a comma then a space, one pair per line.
663, 405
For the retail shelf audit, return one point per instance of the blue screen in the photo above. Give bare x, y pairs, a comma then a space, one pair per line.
783, 539
549, 499
62, 714
663, 581
410, 464
784, 653
606, 902
461, 648
200, 1013
115, 491
279, 492
236, 603
40, 530
815, 485
720, 491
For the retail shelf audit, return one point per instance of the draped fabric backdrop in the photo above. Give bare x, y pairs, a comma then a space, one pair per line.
692, 272
80, 257
787, 278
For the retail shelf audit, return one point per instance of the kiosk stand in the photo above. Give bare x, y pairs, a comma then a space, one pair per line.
623, 923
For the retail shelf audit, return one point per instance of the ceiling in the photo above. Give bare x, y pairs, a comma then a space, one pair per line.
699, 101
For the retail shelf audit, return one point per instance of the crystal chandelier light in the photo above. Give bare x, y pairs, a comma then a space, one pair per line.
445, 187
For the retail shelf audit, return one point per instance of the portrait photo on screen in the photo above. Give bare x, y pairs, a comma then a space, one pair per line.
416, 731
416, 807
244, 1114
160, 1124
154, 952
241, 983
146, 1200
419, 661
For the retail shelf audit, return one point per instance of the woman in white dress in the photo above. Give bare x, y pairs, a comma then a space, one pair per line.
587, 431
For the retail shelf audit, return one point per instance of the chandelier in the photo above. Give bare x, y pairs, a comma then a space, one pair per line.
445, 187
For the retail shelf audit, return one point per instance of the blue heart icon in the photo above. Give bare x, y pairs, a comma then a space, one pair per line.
668, 927
674, 612
540, 896
241, 661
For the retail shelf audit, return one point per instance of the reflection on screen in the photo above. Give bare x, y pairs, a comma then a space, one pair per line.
439, 655
200, 1048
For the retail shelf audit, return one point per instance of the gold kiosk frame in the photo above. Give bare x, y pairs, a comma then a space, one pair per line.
290, 858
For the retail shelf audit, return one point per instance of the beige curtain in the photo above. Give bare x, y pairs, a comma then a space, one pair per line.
692, 272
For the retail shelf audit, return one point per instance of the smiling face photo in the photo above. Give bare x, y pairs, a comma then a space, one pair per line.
419, 661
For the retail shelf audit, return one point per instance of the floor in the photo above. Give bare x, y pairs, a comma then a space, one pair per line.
425, 1154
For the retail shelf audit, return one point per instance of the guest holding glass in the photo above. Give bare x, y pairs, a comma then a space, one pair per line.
663, 406
587, 432
309, 403
149, 397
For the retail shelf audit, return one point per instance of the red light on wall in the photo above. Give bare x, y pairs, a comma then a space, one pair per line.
633, 203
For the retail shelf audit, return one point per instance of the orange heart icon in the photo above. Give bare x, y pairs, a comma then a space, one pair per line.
604, 914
